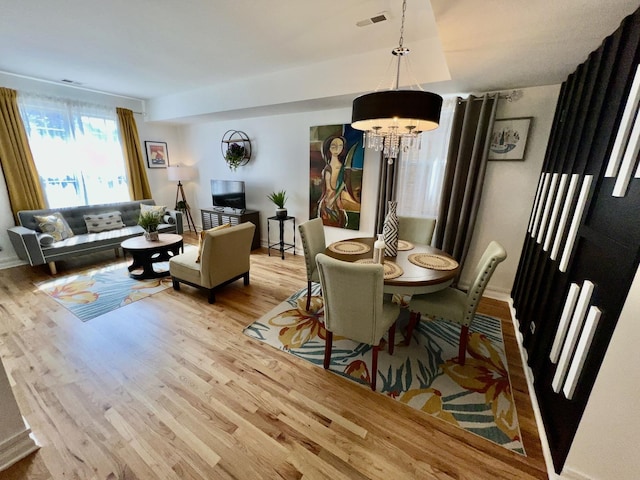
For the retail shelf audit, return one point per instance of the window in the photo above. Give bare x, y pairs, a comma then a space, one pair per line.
76, 149
420, 174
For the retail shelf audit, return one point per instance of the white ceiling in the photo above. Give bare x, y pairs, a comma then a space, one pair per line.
150, 49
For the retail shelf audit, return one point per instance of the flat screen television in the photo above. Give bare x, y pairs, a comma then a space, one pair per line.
228, 194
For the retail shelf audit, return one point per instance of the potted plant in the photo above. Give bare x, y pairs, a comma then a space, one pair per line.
149, 221
279, 198
235, 155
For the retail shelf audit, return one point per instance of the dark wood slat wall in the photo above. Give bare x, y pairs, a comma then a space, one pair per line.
599, 113
548, 304
606, 251
521, 281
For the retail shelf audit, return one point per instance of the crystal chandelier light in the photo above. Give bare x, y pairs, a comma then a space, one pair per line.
393, 119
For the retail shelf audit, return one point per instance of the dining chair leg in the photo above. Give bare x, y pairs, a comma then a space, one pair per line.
327, 348
392, 337
308, 295
414, 318
462, 350
374, 366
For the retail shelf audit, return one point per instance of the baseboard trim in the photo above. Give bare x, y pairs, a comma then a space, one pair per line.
569, 474
11, 262
489, 292
16, 448
497, 294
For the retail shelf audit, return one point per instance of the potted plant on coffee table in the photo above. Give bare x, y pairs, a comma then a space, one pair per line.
279, 199
149, 221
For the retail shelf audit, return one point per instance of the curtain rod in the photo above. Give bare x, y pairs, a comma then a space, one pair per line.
512, 96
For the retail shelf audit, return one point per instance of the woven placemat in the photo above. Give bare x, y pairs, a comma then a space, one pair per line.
434, 262
348, 247
404, 245
391, 269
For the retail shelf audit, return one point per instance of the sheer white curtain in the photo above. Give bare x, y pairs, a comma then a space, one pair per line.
77, 151
420, 174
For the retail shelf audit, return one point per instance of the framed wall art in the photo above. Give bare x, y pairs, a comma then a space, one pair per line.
336, 166
157, 154
509, 138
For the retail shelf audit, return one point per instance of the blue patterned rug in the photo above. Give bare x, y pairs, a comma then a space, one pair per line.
97, 291
424, 375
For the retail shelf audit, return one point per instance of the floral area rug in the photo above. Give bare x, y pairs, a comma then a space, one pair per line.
97, 291
424, 375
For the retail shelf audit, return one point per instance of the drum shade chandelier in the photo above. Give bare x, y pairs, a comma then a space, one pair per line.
393, 119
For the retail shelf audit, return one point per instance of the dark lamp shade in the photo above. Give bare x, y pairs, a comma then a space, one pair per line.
401, 108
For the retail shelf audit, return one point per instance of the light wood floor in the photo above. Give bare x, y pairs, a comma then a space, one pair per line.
169, 388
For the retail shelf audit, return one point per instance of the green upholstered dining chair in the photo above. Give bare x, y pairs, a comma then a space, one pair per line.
354, 306
313, 242
416, 229
455, 305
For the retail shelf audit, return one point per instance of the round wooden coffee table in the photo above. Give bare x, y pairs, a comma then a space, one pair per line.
145, 253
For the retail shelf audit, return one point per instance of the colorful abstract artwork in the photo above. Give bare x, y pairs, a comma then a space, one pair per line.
336, 165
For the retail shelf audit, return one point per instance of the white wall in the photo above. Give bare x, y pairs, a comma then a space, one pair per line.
280, 160
164, 191
510, 187
8, 257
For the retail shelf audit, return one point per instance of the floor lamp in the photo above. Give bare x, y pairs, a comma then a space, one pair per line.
179, 174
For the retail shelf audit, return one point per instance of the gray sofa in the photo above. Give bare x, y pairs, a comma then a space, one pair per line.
26, 239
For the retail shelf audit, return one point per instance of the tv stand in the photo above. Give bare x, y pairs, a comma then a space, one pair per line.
237, 211
215, 216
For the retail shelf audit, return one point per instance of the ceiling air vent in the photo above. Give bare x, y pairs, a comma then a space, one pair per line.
381, 17
70, 82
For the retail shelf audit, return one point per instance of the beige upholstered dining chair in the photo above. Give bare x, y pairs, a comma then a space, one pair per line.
455, 305
313, 242
354, 306
223, 257
416, 229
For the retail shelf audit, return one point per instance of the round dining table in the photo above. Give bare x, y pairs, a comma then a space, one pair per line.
415, 279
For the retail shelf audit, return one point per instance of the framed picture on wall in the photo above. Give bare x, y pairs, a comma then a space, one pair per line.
157, 154
336, 170
509, 138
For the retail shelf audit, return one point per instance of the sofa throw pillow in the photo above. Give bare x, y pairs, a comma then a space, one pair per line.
102, 222
159, 209
202, 235
55, 225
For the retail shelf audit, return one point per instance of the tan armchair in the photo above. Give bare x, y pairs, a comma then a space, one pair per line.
354, 306
455, 305
224, 259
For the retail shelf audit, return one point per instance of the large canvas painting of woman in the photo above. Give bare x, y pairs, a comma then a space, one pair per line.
337, 160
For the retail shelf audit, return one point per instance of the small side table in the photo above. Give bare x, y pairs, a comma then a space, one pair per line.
281, 244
